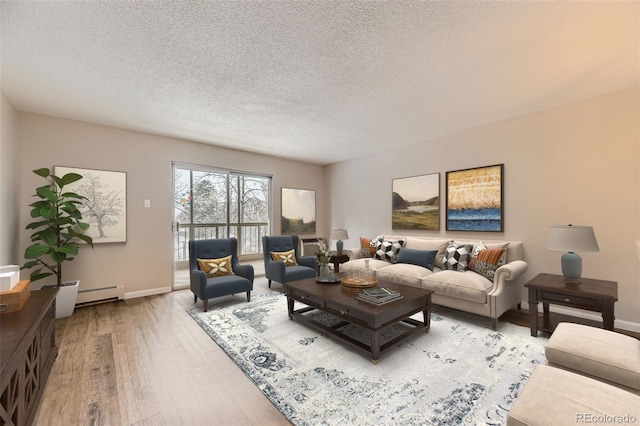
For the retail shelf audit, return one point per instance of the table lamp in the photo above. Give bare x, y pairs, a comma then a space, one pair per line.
339, 234
572, 238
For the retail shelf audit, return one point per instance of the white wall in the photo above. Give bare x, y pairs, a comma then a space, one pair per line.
577, 164
8, 183
144, 263
574, 164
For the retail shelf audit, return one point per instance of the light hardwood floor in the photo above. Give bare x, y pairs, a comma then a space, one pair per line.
144, 361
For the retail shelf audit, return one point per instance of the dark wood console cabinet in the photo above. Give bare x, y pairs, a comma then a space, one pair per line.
27, 353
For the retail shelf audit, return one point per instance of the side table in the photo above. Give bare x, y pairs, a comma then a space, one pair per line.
337, 259
588, 294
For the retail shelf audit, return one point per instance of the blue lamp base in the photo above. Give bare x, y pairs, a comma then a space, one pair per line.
339, 246
571, 266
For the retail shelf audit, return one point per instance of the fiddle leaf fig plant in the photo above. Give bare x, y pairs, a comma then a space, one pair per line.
58, 227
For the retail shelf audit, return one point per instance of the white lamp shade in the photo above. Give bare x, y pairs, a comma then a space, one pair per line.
339, 234
574, 238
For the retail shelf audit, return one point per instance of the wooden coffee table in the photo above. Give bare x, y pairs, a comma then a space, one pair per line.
340, 301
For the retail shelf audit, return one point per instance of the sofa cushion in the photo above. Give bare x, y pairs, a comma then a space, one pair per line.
552, 396
460, 285
388, 249
514, 248
456, 257
486, 260
424, 258
216, 267
366, 253
367, 244
403, 273
478, 246
438, 244
596, 352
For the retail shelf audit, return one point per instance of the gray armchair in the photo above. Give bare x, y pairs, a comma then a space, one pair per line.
208, 288
276, 270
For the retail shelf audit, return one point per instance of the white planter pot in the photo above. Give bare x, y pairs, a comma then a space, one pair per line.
66, 298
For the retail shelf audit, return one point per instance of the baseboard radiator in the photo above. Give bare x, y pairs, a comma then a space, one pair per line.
100, 295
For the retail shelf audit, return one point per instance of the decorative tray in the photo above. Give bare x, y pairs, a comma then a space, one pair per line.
359, 282
328, 280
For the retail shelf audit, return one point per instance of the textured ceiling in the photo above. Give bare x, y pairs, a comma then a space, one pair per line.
315, 81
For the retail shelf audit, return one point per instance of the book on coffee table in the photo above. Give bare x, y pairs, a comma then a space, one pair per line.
378, 292
378, 296
378, 302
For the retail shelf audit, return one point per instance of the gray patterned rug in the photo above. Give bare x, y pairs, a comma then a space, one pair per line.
460, 372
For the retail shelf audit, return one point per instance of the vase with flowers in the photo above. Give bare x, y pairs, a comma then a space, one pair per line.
323, 259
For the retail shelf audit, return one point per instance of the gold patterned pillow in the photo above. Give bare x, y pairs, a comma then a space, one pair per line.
216, 267
288, 257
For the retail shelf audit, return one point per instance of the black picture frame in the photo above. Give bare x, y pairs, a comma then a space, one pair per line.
475, 199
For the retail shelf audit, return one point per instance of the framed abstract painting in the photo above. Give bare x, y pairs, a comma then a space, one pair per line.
475, 199
298, 211
415, 202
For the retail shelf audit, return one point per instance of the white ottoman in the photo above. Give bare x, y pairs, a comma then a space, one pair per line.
602, 354
553, 396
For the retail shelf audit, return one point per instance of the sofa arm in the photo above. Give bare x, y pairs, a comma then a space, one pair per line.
274, 270
245, 271
353, 253
309, 261
509, 272
198, 281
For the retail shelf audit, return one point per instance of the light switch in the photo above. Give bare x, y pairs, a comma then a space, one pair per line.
147, 204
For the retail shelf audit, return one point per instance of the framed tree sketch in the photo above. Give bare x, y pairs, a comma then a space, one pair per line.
105, 208
298, 211
475, 199
415, 202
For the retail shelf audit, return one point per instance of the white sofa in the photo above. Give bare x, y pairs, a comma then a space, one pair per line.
466, 291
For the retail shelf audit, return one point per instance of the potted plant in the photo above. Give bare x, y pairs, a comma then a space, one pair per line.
58, 230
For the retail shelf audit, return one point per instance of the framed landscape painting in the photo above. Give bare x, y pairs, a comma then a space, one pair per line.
475, 199
105, 208
416, 202
298, 211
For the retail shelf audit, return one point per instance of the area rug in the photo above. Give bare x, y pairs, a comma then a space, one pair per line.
460, 372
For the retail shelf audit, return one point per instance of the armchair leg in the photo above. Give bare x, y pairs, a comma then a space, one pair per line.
195, 298
248, 296
269, 283
494, 323
206, 305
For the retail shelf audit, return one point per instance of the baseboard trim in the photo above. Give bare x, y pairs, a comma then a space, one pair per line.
150, 292
595, 316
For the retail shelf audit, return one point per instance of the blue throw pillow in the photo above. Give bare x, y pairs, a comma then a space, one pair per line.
422, 258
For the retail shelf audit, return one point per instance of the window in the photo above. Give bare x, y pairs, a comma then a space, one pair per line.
214, 203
